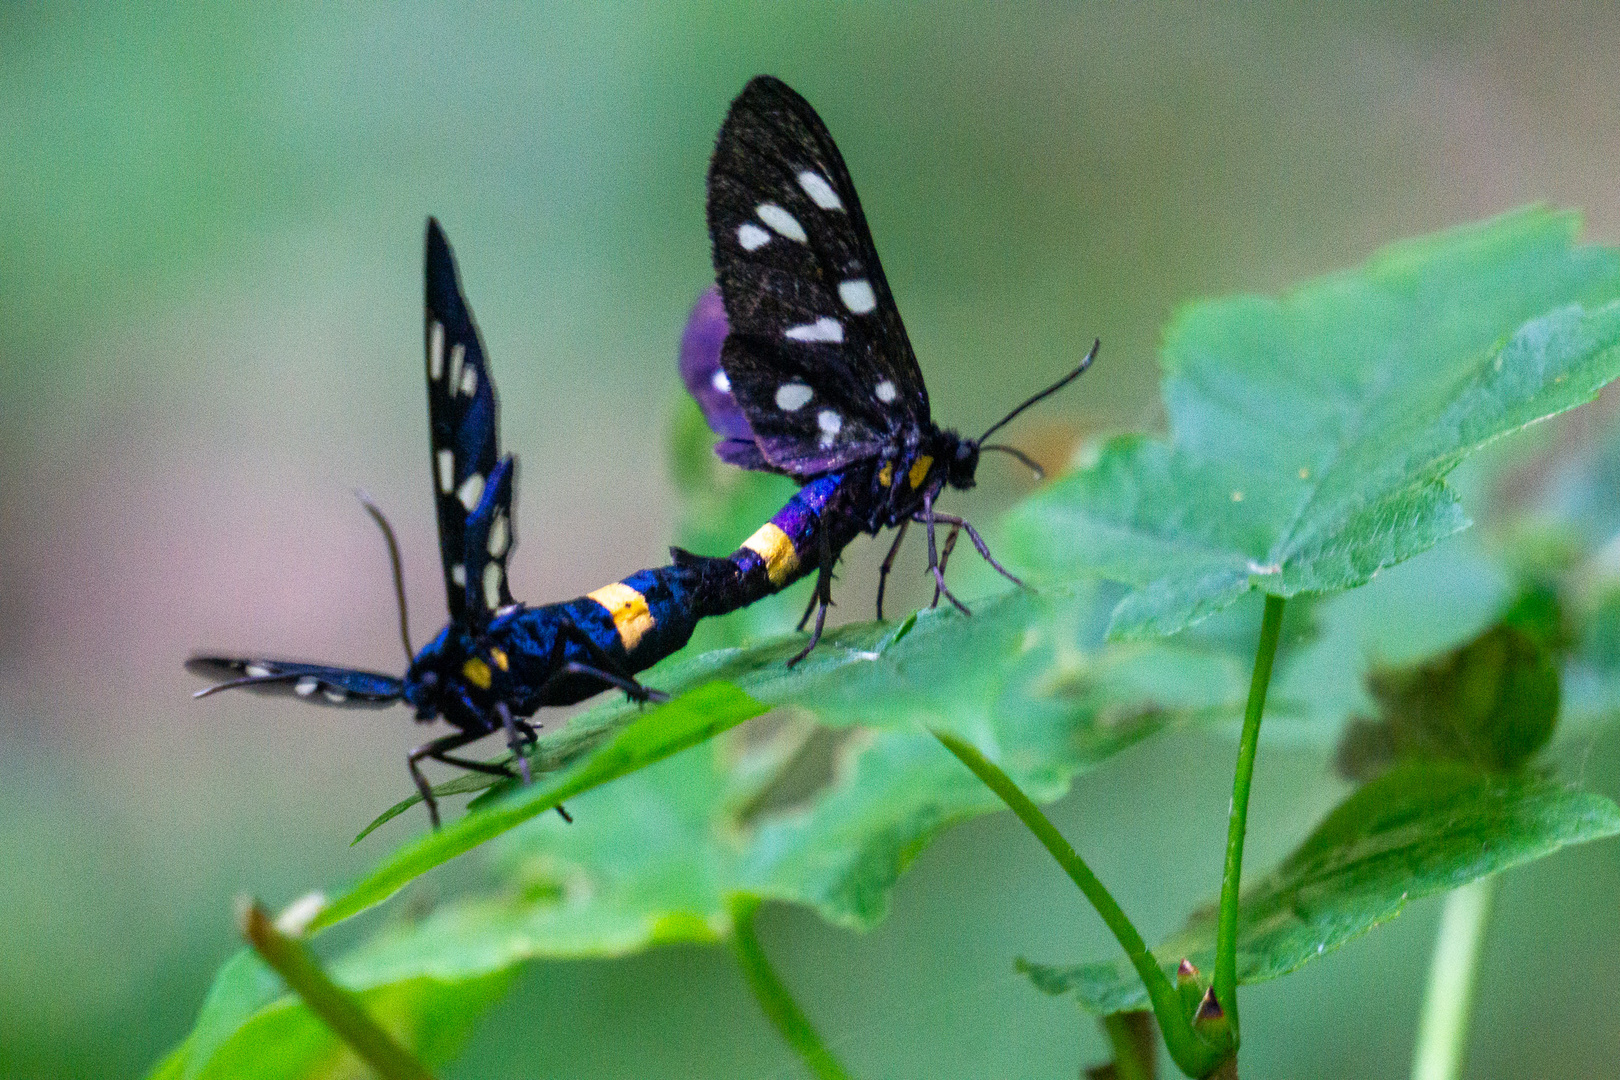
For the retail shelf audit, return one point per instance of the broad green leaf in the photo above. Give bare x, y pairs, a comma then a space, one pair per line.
1311, 433
823, 803
1419, 829
1016, 660
665, 730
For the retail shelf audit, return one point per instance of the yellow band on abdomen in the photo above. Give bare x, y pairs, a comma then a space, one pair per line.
629, 610
919, 471
772, 544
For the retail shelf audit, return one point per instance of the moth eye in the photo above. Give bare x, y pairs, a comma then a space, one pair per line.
962, 451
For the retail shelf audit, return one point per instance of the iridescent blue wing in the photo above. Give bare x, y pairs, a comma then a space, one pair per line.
462, 415
490, 538
817, 355
710, 386
319, 683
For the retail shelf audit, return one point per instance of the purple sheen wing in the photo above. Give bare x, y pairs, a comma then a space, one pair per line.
705, 379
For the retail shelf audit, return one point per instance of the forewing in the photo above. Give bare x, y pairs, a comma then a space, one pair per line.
462, 414
491, 536
319, 683
817, 355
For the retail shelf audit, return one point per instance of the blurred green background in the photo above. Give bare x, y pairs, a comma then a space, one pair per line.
210, 290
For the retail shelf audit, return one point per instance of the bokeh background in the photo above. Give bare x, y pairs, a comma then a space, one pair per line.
210, 288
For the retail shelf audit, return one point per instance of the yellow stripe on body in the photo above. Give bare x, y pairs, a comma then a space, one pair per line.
919, 471
629, 610
773, 545
886, 477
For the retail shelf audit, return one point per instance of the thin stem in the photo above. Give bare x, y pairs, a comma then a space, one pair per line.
340, 1009
773, 996
1192, 1054
1226, 933
1448, 1004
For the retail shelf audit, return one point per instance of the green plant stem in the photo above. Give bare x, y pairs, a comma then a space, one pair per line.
1192, 1054
1237, 822
773, 996
340, 1010
1448, 1004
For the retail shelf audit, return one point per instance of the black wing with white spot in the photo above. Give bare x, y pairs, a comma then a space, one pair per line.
816, 355
462, 415
490, 538
343, 687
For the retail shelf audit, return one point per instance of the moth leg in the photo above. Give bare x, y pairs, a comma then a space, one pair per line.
978, 542
945, 558
634, 690
809, 609
822, 597
514, 740
606, 665
928, 517
439, 750
888, 564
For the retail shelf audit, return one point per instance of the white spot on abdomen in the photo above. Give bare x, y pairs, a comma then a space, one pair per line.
471, 490
334, 695
447, 471
815, 185
435, 350
793, 396
823, 329
721, 382
306, 686
886, 391
255, 671
830, 424
782, 221
857, 295
751, 236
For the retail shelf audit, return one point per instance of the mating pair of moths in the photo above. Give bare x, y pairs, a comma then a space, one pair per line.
815, 379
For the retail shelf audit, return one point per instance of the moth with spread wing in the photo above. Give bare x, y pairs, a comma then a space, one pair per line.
816, 371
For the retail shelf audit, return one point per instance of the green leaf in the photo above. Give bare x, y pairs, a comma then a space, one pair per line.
1311, 433
665, 730
822, 803
1420, 829
1492, 702
1016, 661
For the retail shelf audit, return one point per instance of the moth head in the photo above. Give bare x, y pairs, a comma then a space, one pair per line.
960, 458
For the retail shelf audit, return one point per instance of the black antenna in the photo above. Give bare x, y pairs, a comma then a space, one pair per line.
394, 561
1034, 466
1048, 392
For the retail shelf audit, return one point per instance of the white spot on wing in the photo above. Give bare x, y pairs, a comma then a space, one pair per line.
857, 295
886, 391
306, 686
335, 696
458, 356
255, 671
721, 382
458, 576
499, 535
815, 185
492, 585
471, 490
447, 471
751, 236
830, 424
823, 329
793, 396
782, 221
469, 381
436, 350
